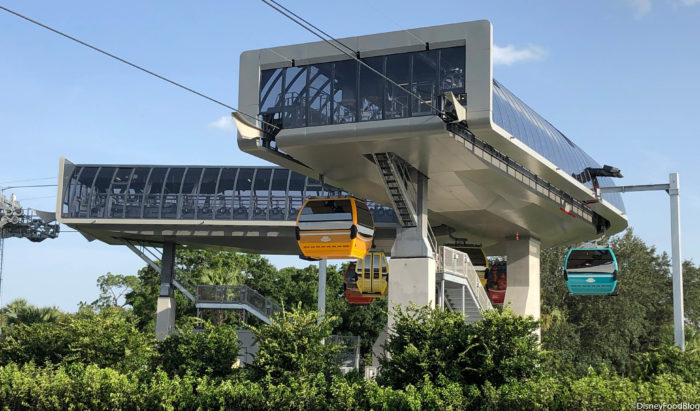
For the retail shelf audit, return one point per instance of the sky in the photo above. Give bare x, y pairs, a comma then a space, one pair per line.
619, 78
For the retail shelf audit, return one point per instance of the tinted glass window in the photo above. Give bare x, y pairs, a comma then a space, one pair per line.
209, 180
452, 74
364, 217
424, 83
223, 201
372, 90
104, 178
588, 258
398, 69
320, 99
345, 92
191, 182
297, 182
279, 181
121, 179
294, 100
327, 210
155, 182
270, 89
174, 180
87, 176
271, 97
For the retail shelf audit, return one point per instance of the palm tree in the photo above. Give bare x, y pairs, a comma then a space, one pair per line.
220, 276
20, 311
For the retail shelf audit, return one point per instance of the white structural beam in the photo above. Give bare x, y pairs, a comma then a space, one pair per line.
678, 312
322, 264
673, 190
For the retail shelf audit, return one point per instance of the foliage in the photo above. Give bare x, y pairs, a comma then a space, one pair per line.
106, 339
293, 345
691, 291
365, 321
113, 289
212, 352
19, 311
593, 330
200, 267
288, 287
668, 360
598, 352
438, 345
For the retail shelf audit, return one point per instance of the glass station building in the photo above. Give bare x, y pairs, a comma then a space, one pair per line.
348, 92
327, 113
193, 193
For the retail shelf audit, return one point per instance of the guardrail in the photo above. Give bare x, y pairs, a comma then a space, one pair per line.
522, 174
458, 263
236, 294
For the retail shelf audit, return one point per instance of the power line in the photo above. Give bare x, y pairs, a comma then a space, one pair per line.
388, 17
27, 180
2, 188
134, 65
37, 198
334, 43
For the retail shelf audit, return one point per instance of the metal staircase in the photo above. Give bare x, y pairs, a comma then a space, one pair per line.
210, 297
396, 176
459, 288
235, 297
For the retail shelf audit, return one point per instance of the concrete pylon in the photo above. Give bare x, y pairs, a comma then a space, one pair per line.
412, 267
165, 309
523, 289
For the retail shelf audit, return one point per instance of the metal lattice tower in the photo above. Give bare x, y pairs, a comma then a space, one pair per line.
17, 222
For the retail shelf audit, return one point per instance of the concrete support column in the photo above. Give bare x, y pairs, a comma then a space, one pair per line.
322, 264
165, 310
523, 289
412, 266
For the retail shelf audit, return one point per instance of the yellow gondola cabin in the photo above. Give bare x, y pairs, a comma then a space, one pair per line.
373, 274
334, 228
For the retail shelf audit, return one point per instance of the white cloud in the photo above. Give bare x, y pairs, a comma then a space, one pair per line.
224, 123
690, 2
509, 54
642, 7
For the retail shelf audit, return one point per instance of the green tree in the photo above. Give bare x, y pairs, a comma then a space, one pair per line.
107, 339
691, 291
212, 352
292, 346
365, 321
289, 286
438, 345
595, 330
19, 311
113, 289
199, 267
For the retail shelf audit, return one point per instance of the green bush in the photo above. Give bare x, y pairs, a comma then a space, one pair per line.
107, 339
439, 345
212, 352
668, 360
292, 347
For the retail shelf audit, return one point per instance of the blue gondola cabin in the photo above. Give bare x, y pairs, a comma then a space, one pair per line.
590, 271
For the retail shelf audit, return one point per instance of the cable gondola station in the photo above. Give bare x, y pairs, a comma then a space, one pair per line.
373, 150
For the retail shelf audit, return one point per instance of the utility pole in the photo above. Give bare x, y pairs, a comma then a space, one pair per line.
673, 190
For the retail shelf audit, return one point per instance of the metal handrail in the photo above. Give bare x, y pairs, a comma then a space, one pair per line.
458, 263
236, 294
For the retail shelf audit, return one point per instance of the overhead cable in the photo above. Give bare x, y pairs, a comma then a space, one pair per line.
26, 180
135, 66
